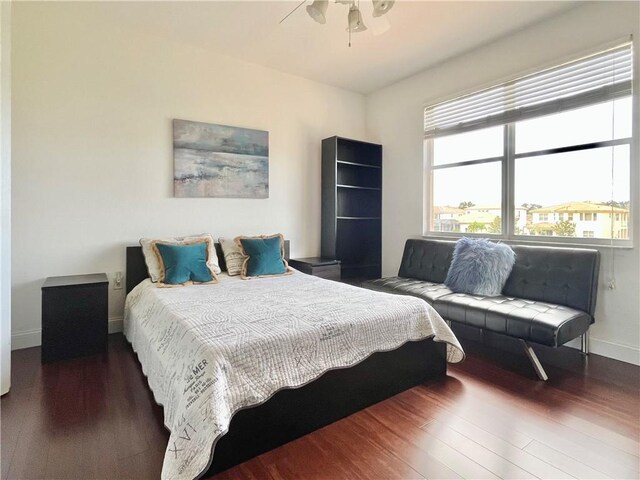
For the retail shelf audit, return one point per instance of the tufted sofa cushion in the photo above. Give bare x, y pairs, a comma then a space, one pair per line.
549, 298
426, 260
540, 322
428, 291
566, 276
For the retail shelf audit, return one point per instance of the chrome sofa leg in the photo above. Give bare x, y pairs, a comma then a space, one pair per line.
584, 343
537, 366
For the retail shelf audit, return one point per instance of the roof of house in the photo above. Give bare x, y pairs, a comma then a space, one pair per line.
447, 209
576, 207
490, 207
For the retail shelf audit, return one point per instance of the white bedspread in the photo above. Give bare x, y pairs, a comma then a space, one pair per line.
211, 350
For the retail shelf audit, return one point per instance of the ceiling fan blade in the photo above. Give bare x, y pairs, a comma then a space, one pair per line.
291, 12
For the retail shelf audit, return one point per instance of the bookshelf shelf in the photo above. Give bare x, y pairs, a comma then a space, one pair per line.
352, 206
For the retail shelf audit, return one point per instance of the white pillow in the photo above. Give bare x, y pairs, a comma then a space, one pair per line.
233, 256
153, 264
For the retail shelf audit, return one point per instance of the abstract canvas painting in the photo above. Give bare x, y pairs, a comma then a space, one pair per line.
219, 161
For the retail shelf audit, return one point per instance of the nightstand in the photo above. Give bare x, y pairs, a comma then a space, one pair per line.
74, 316
318, 267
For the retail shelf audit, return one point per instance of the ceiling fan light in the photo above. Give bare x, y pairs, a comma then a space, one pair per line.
355, 21
317, 10
380, 7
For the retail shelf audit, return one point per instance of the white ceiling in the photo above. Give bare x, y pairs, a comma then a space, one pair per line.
420, 34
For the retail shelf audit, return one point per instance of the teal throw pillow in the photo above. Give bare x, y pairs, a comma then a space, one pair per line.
184, 262
264, 256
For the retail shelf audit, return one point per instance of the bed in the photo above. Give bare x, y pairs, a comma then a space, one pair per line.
244, 366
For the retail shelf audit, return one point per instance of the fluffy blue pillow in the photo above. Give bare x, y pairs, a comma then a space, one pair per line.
480, 267
182, 263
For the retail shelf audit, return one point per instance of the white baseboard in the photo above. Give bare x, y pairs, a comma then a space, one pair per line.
617, 351
115, 324
26, 339
33, 338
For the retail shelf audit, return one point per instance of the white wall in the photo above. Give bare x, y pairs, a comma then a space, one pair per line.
92, 147
92, 160
395, 116
5, 197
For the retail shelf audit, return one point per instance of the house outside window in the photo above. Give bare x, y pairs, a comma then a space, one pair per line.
488, 155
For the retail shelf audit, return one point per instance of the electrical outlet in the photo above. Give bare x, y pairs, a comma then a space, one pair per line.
117, 281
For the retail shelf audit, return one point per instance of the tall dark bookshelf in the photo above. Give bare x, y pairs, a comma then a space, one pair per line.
352, 206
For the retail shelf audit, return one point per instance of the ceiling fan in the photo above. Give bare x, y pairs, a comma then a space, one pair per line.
318, 9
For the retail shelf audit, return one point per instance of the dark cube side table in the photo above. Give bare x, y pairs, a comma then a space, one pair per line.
74, 316
328, 268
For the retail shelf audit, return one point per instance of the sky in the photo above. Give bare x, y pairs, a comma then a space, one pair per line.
546, 180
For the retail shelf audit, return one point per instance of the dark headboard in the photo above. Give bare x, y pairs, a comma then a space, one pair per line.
137, 268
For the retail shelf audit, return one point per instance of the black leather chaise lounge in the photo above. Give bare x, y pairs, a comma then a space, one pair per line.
549, 298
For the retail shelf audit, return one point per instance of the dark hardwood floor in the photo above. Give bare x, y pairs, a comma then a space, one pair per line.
490, 418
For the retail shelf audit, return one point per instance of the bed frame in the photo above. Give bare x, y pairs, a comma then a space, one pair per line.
292, 413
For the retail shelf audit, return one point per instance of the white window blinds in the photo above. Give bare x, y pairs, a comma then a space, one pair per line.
597, 78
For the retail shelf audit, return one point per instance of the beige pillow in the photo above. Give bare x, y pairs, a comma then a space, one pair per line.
154, 267
233, 256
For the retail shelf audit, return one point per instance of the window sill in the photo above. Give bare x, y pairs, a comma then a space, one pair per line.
527, 241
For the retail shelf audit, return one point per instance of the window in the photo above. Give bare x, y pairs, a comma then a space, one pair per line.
470, 195
537, 156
